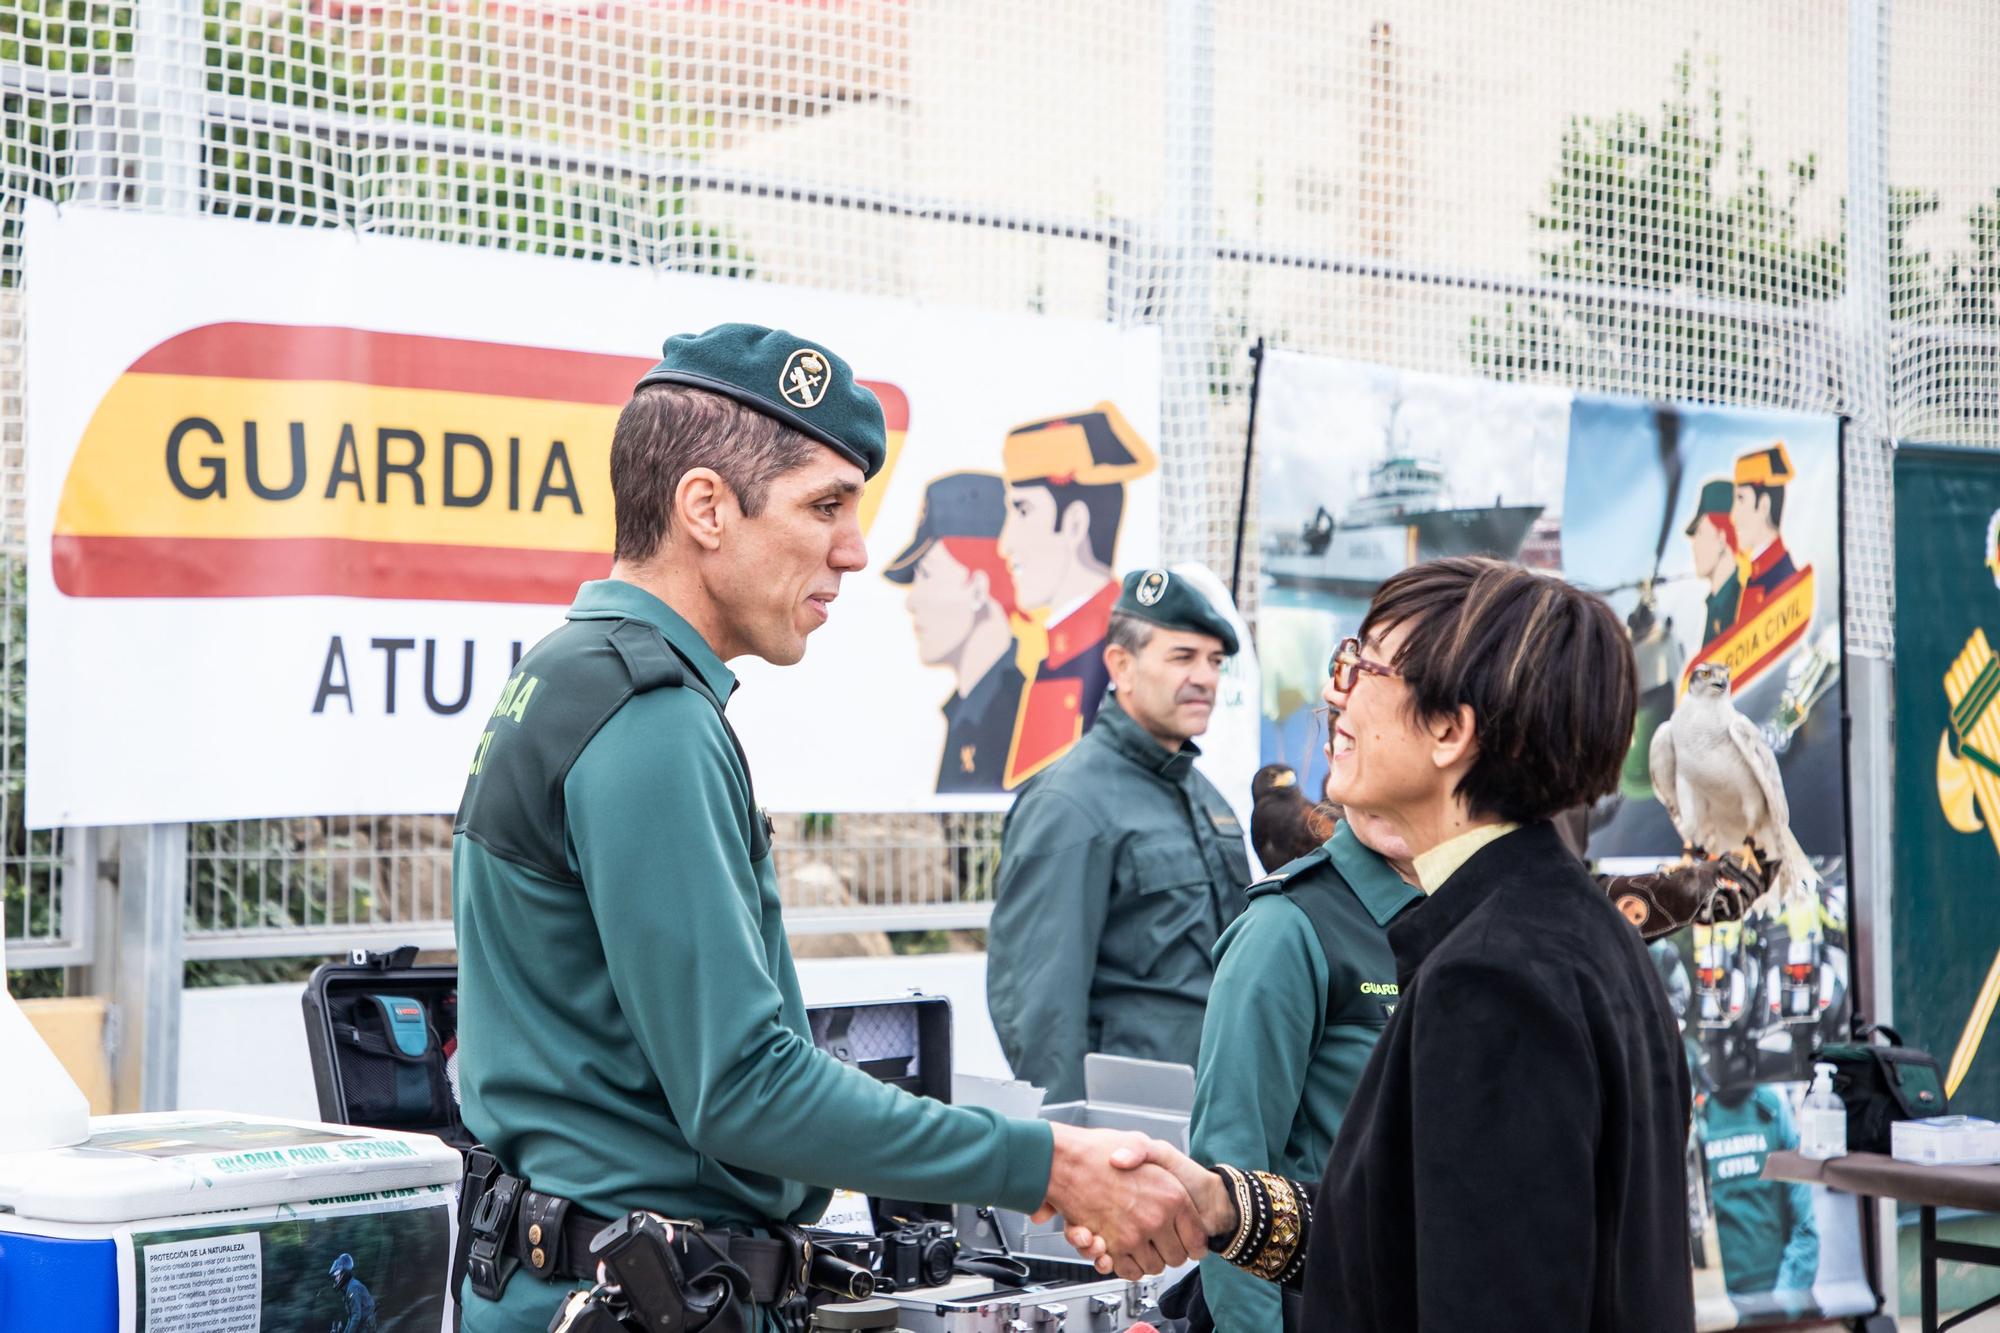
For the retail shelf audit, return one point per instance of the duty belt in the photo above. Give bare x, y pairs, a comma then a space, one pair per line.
771, 1265
505, 1226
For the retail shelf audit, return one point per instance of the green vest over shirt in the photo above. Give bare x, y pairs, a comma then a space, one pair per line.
1765, 1229
631, 1030
1120, 867
1304, 982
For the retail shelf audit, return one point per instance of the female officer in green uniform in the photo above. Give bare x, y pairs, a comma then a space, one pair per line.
1304, 981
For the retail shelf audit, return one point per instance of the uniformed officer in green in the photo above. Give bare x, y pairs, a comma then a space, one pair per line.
1120, 865
1304, 982
1766, 1229
1712, 539
632, 1034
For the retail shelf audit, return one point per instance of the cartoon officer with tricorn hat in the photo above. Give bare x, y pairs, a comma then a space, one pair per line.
1066, 480
1759, 508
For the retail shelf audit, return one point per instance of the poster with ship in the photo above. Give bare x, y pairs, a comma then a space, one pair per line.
1364, 471
1714, 533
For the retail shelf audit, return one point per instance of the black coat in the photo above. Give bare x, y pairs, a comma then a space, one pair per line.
1515, 1154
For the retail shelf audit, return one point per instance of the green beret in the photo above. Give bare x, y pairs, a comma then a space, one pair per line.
1716, 498
783, 376
958, 504
1156, 595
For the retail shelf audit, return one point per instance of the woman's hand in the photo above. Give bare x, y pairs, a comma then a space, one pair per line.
1213, 1203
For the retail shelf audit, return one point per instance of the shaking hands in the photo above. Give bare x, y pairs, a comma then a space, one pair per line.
1133, 1205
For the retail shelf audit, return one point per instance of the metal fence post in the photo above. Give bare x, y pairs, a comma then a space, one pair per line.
1187, 278
170, 82
1867, 345
147, 967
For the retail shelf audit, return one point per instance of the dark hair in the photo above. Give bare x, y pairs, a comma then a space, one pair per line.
1104, 504
1545, 667
668, 429
1775, 494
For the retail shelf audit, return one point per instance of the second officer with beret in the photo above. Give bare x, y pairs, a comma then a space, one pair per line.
1121, 865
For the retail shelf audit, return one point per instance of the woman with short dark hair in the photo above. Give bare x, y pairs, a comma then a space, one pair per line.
1513, 1156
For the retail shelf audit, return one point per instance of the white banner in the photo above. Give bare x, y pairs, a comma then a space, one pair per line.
298, 498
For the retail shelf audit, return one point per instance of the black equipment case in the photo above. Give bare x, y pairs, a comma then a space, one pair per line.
382, 1031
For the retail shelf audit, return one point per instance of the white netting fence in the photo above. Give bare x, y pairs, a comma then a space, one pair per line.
1793, 203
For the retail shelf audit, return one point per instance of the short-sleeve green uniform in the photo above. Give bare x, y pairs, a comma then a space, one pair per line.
1304, 982
631, 1029
1120, 867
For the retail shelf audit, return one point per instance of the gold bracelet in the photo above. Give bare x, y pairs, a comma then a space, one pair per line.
1286, 1233
1245, 1214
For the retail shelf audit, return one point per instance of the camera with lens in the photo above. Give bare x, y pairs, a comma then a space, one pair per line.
920, 1254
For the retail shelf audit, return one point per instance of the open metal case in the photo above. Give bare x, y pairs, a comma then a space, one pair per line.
382, 1032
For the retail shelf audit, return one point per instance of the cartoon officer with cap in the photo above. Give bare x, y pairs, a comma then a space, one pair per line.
1756, 511
1065, 498
1711, 536
1121, 865
960, 596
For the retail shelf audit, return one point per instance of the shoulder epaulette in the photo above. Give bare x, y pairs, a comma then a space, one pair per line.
1278, 880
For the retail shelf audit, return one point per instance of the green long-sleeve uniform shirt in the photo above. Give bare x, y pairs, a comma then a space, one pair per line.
631, 1032
1120, 867
1304, 982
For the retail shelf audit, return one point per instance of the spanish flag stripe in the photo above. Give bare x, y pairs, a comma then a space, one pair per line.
318, 567
1750, 647
395, 361
418, 361
248, 460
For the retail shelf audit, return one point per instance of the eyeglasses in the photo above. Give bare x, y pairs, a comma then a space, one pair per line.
1347, 664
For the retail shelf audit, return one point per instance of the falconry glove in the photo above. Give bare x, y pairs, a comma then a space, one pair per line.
1675, 896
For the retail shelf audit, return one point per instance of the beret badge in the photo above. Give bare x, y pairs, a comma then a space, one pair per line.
804, 379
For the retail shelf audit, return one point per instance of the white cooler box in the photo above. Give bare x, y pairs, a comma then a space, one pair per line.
209, 1220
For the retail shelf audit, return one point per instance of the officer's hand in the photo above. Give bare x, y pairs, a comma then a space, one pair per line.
1139, 1210
1215, 1209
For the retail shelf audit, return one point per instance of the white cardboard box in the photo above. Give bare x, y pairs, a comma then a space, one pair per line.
1946, 1140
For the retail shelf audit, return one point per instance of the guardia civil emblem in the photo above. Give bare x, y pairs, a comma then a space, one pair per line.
1151, 588
1968, 781
804, 379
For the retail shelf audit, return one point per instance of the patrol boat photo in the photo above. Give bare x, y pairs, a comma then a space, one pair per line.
1400, 520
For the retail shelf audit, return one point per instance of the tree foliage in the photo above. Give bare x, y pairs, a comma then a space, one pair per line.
1677, 205
1729, 270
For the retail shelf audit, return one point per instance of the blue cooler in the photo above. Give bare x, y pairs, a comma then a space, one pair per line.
163, 1215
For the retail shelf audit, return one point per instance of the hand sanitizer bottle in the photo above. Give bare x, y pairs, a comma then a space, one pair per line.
1823, 1118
